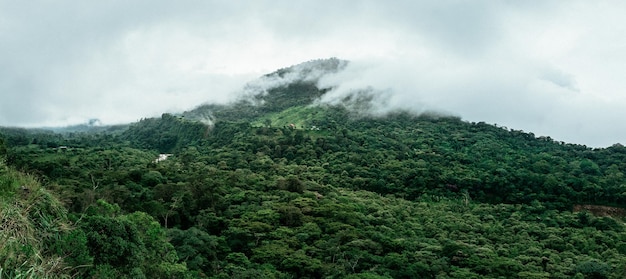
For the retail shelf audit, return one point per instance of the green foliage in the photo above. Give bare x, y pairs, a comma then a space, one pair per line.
304, 117
593, 269
133, 245
3, 148
341, 194
152, 178
73, 246
35, 233
112, 241
159, 258
165, 134
291, 184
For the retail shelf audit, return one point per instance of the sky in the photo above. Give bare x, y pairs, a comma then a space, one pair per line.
553, 68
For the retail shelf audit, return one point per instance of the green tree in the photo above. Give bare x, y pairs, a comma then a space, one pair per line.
159, 260
3, 148
593, 269
113, 241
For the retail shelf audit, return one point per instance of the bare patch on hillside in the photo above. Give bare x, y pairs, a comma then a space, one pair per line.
601, 210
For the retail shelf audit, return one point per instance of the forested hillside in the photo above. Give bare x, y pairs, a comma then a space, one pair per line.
282, 188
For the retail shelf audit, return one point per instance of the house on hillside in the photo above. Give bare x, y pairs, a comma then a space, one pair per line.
162, 157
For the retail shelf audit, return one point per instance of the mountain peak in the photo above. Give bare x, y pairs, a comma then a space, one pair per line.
311, 70
288, 87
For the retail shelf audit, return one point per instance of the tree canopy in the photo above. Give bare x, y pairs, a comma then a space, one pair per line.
283, 189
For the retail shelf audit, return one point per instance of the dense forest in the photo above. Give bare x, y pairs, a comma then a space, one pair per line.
277, 187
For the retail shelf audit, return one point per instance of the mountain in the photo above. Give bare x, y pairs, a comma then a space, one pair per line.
91, 126
283, 89
282, 185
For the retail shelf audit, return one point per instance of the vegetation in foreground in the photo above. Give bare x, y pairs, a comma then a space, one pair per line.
338, 194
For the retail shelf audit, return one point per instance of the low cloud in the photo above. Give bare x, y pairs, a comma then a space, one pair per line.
553, 68
309, 71
519, 95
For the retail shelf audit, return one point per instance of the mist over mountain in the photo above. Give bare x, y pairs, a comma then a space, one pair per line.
287, 87
310, 84
303, 177
551, 68
315, 83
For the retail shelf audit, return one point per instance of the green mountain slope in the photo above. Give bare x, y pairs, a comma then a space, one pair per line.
273, 93
338, 194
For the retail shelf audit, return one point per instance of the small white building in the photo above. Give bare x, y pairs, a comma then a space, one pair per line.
162, 157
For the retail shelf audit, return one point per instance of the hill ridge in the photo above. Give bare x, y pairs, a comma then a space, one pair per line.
339, 194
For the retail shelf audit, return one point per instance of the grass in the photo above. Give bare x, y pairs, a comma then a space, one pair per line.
301, 117
27, 219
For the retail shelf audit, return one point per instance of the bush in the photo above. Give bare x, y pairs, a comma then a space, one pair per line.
593, 269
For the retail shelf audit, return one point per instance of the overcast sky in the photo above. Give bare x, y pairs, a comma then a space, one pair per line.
554, 68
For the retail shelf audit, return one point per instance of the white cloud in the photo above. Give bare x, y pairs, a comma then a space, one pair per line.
552, 67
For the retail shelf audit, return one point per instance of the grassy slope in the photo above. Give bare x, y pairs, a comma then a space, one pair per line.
300, 116
29, 217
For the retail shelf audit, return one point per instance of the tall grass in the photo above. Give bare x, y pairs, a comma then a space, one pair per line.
28, 216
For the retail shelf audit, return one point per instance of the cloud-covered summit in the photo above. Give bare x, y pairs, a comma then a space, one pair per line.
551, 67
307, 72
